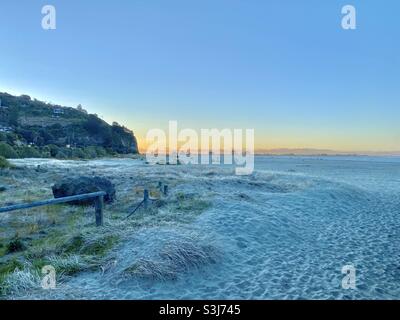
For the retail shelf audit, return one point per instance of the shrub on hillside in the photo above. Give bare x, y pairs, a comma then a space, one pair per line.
7, 151
90, 152
9, 137
51, 149
61, 154
101, 152
79, 153
4, 163
29, 152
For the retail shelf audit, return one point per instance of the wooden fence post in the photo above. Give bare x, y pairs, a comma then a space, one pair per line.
146, 197
165, 190
99, 204
160, 185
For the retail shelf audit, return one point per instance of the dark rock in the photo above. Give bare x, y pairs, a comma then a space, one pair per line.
80, 185
2, 188
40, 169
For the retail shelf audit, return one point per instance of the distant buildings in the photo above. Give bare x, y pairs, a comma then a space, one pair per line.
57, 112
5, 129
2, 127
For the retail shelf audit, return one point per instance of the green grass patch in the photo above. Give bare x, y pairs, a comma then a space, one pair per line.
190, 203
91, 247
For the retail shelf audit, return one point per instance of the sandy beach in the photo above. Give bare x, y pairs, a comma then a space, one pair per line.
284, 232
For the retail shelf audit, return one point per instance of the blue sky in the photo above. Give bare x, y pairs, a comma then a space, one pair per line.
285, 68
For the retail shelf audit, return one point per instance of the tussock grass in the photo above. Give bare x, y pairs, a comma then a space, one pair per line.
21, 279
5, 270
177, 257
69, 265
89, 244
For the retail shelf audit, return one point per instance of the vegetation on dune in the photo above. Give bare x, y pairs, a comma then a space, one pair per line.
191, 203
60, 235
176, 257
65, 236
96, 246
6, 269
68, 254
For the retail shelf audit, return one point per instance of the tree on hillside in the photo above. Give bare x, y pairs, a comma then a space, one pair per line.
80, 108
13, 117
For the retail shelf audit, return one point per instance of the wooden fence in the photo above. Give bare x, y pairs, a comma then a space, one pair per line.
99, 204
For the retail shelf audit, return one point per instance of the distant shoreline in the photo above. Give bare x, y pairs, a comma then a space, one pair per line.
326, 155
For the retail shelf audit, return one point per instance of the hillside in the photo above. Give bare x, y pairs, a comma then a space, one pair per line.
58, 131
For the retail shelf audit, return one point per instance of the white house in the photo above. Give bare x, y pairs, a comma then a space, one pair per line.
58, 111
5, 129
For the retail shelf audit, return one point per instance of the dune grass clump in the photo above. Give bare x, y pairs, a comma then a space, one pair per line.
187, 255
151, 270
89, 245
69, 254
15, 277
6, 268
191, 203
68, 265
175, 258
179, 208
22, 279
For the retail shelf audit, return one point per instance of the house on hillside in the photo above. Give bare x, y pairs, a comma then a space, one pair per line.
5, 129
57, 112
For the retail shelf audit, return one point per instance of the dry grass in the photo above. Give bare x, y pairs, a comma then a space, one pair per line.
65, 236
177, 257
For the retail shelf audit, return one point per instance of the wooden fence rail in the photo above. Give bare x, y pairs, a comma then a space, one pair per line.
99, 204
